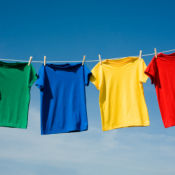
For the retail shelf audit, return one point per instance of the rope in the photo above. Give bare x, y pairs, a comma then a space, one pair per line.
85, 60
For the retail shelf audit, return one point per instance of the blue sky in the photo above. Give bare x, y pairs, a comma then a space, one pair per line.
67, 30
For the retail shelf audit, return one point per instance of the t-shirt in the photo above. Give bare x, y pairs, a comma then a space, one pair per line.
63, 100
16, 80
161, 72
121, 97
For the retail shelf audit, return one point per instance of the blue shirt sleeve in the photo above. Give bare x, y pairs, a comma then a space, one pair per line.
40, 80
87, 74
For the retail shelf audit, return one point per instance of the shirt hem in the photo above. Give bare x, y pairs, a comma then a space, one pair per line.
12, 125
63, 131
168, 126
126, 126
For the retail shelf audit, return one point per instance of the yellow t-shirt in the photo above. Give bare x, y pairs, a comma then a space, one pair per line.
121, 98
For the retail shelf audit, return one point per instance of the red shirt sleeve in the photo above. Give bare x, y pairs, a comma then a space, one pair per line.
151, 70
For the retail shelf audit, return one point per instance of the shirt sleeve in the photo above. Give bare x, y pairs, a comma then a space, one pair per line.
151, 70
32, 76
142, 67
95, 77
40, 80
87, 74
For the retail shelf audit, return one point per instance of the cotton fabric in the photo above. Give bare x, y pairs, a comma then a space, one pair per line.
63, 100
121, 97
16, 80
161, 72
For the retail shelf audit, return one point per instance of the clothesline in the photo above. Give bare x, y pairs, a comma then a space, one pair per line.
85, 60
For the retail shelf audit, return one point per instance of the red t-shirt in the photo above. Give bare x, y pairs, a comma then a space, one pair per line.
161, 71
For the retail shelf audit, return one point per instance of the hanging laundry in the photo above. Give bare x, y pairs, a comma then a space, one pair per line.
121, 98
161, 72
16, 80
63, 101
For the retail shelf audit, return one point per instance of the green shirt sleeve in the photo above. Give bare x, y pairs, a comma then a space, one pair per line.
32, 75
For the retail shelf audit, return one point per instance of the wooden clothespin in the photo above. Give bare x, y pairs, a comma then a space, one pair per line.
100, 58
140, 55
155, 51
44, 60
30, 60
83, 59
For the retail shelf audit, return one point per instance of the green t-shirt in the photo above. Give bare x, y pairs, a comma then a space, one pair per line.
16, 80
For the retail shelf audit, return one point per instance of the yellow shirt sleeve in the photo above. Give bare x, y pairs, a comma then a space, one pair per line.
142, 67
95, 77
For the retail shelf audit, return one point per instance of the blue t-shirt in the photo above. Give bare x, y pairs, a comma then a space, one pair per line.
62, 95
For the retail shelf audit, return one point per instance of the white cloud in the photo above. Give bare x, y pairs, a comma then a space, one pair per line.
110, 151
